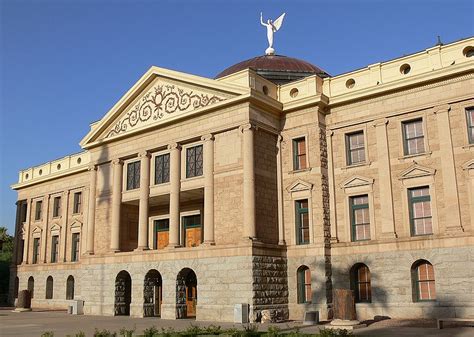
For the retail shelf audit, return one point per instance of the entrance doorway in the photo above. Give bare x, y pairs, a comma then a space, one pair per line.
123, 294
186, 294
152, 294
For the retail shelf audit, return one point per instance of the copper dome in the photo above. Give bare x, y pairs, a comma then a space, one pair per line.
276, 68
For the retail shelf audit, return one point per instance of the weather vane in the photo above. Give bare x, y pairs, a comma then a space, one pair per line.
272, 27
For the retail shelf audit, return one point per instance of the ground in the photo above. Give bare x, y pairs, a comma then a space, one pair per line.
33, 324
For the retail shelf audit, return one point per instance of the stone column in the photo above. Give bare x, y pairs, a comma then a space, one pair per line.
16, 237
29, 205
448, 172
332, 188
175, 186
91, 209
385, 181
116, 204
64, 215
143, 202
250, 231
208, 189
281, 227
44, 233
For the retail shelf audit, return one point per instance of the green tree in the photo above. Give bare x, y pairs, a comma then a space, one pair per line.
6, 254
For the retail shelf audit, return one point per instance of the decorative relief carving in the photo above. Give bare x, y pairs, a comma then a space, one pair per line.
160, 101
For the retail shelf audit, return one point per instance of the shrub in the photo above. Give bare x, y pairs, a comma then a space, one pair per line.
47, 334
127, 333
334, 333
273, 331
151, 332
104, 333
213, 330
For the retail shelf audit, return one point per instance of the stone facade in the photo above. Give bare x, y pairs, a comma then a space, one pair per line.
258, 187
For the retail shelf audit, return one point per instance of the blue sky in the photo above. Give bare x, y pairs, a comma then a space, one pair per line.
65, 63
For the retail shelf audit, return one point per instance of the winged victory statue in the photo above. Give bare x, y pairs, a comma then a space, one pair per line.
272, 27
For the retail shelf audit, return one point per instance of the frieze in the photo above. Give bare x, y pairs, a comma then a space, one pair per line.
160, 101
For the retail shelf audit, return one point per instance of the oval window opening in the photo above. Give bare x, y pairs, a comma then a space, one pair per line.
405, 69
350, 83
265, 90
294, 92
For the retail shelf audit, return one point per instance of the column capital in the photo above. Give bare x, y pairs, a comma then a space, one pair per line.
380, 122
174, 146
117, 161
247, 127
66, 193
329, 133
208, 137
144, 154
441, 108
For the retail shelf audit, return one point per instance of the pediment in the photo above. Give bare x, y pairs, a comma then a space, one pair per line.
356, 181
468, 165
159, 97
416, 171
76, 224
37, 230
55, 227
299, 185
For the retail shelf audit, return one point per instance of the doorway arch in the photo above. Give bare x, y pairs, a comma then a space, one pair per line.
152, 294
123, 294
186, 294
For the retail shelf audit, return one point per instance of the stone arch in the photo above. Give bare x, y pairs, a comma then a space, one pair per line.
152, 294
123, 294
49, 287
70, 283
423, 281
361, 282
303, 285
31, 286
186, 293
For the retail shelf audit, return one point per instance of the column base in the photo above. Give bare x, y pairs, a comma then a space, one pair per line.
172, 246
334, 239
141, 249
208, 243
282, 243
390, 235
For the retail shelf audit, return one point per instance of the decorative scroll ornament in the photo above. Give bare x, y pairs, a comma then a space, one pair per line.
160, 101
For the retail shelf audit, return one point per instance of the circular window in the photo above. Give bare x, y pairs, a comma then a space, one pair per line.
58, 167
294, 92
27, 176
350, 83
265, 90
468, 51
405, 69
40, 172
79, 160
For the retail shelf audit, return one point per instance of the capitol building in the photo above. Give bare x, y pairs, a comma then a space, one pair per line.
269, 185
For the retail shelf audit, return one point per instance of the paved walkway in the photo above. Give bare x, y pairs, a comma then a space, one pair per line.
32, 324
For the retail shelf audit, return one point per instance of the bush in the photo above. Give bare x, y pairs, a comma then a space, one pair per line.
47, 334
334, 333
127, 333
104, 333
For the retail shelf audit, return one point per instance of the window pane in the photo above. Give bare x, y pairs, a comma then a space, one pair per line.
356, 148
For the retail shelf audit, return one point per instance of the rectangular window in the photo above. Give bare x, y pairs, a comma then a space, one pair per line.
75, 247
133, 175
162, 169
413, 137
36, 250
192, 230
299, 154
54, 248
302, 222
38, 210
420, 211
194, 161
355, 145
161, 238
56, 207
23, 211
77, 207
21, 251
360, 219
470, 124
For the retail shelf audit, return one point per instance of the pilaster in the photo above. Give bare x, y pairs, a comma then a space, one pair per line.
175, 187
143, 201
250, 231
116, 204
208, 189
91, 209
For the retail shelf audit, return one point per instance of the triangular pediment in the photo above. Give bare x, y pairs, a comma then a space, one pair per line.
468, 165
356, 181
55, 227
159, 97
416, 171
299, 185
76, 224
37, 230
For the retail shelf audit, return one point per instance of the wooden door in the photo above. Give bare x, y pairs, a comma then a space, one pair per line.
191, 300
157, 299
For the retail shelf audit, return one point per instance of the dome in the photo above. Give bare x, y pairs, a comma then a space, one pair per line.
276, 68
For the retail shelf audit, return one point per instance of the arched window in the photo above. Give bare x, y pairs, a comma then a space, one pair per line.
31, 286
303, 276
423, 279
49, 288
360, 283
17, 287
70, 288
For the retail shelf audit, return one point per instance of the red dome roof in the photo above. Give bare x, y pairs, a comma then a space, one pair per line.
274, 65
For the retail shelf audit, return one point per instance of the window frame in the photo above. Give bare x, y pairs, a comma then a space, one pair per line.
155, 159
353, 208
355, 282
56, 207
349, 150
302, 285
49, 288
39, 210
156, 230
296, 155
411, 201
75, 246
404, 123
136, 180
36, 250
186, 166
299, 211
469, 124
54, 248
416, 281
183, 226
77, 203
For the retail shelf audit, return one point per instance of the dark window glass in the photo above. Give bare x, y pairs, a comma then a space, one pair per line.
360, 219
192, 221
355, 148
54, 248
23, 211
75, 247
56, 206
414, 142
77, 207
299, 154
39, 210
162, 169
49, 288
302, 222
423, 281
304, 285
21, 250
36, 250
361, 283
133, 175
70, 288
420, 211
194, 161
31, 286
470, 124
16, 287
